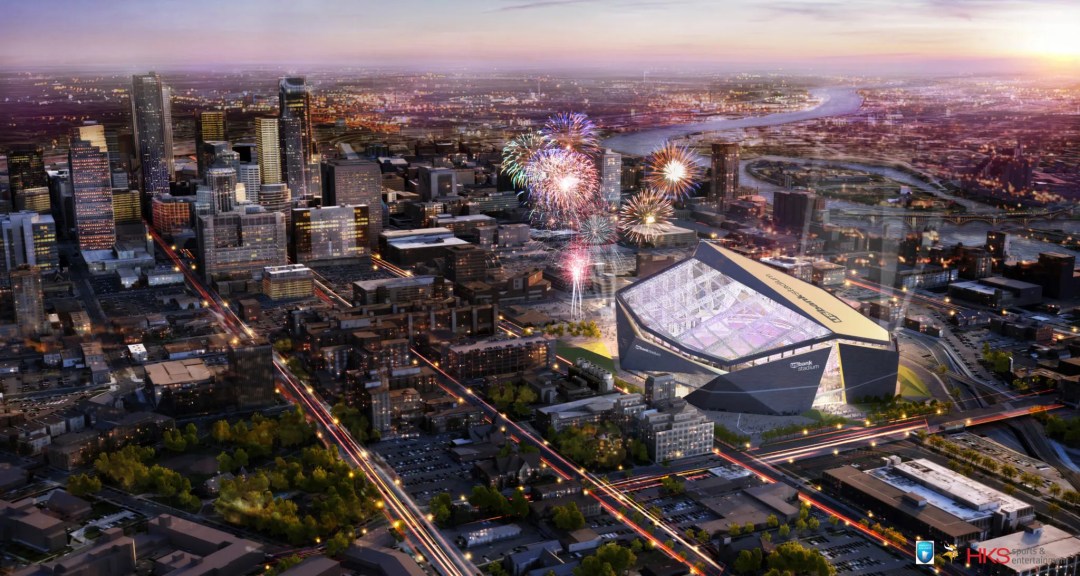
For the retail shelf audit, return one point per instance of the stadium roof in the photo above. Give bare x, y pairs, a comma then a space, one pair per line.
724, 305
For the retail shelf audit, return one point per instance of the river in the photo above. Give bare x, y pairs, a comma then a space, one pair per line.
835, 101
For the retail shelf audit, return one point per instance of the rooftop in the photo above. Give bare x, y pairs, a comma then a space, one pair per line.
731, 308
929, 514
177, 372
1037, 545
955, 493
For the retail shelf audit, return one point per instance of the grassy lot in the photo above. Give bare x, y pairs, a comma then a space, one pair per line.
911, 386
594, 351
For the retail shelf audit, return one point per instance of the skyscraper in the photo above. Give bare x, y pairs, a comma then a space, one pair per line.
249, 177
91, 184
269, 150
329, 233
29, 300
34, 200
222, 184
27, 238
294, 113
126, 206
610, 166
209, 127
355, 183
725, 174
26, 171
276, 198
93, 133
151, 113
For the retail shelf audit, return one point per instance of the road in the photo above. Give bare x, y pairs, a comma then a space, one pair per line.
397, 506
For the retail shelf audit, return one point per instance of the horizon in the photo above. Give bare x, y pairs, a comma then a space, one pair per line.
798, 36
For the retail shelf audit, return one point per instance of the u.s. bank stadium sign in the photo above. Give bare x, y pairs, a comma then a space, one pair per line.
798, 296
804, 366
646, 350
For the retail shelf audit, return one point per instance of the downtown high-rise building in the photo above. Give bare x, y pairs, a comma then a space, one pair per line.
609, 165
151, 117
221, 184
295, 132
276, 198
268, 148
27, 238
248, 175
355, 183
127, 207
240, 243
29, 300
725, 174
329, 233
93, 133
91, 188
26, 176
210, 126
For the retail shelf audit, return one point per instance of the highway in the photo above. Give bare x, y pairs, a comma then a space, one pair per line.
396, 505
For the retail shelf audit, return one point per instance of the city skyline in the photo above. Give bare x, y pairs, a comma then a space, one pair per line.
926, 36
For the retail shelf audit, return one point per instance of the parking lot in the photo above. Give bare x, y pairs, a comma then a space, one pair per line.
425, 466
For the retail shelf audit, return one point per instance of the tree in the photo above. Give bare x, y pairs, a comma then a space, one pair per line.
766, 536
174, 440
813, 523
772, 521
191, 435
942, 369
748, 561
225, 462
240, 458
83, 485
784, 531
1052, 509
442, 508
793, 557
519, 506
748, 528
284, 564
568, 518
609, 559
1055, 490
220, 431
673, 485
734, 530
339, 543
800, 525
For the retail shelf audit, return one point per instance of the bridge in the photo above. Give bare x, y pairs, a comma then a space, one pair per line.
915, 219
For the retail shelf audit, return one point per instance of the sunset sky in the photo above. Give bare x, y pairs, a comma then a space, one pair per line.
825, 35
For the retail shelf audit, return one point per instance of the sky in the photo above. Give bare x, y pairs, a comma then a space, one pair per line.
809, 35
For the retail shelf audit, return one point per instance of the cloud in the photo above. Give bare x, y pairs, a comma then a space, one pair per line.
540, 4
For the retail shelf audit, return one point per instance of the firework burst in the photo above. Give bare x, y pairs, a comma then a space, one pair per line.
598, 229
673, 170
573, 131
645, 216
563, 186
518, 153
576, 267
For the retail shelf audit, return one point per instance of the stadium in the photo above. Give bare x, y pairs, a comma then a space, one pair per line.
747, 338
